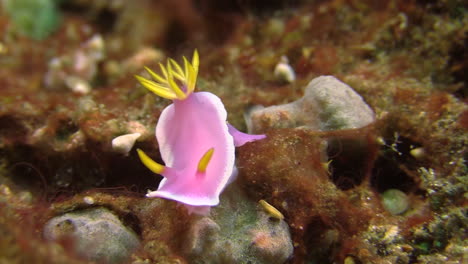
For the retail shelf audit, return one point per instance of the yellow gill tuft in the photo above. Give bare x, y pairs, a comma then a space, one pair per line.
174, 82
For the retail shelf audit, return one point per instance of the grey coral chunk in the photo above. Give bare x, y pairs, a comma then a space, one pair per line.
327, 104
97, 234
340, 107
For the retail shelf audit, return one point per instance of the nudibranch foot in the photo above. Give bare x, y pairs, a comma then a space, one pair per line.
199, 210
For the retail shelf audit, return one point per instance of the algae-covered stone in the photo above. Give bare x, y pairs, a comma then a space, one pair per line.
238, 231
395, 201
327, 104
97, 233
340, 107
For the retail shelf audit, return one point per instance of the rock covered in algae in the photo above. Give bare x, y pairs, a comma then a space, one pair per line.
395, 201
287, 170
328, 104
97, 233
238, 231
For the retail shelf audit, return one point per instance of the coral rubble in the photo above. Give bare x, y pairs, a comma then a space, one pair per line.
327, 104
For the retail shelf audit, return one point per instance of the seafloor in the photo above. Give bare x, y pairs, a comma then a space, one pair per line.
392, 191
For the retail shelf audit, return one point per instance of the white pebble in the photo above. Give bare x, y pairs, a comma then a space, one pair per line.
284, 71
78, 85
123, 144
88, 200
418, 153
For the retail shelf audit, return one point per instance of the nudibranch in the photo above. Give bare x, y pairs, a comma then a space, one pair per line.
196, 143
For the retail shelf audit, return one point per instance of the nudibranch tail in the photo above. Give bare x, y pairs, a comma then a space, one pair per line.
150, 164
167, 85
205, 160
242, 138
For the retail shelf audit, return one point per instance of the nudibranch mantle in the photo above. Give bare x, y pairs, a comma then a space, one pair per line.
195, 140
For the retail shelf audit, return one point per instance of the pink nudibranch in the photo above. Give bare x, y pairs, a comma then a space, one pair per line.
195, 140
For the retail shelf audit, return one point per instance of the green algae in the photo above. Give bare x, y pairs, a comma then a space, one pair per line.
34, 18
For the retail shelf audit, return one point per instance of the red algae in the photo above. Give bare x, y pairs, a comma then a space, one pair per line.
286, 169
437, 105
324, 60
463, 120
406, 59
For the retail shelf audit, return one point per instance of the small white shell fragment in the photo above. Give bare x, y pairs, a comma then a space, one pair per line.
418, 153
96, 47
380, 141
39, 133
77, 85
284, 71
391, 233
88, 200
123, 144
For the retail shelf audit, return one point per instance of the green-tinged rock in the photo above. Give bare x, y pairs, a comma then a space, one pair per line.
327, 104
97, 233
395, 201
238, 231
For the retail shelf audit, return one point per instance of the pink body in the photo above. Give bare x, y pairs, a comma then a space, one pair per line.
185, 131
196, 142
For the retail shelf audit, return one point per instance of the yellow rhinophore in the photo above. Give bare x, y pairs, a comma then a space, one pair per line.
149, 163
271, 210
166, 85
203, 163
326, 166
